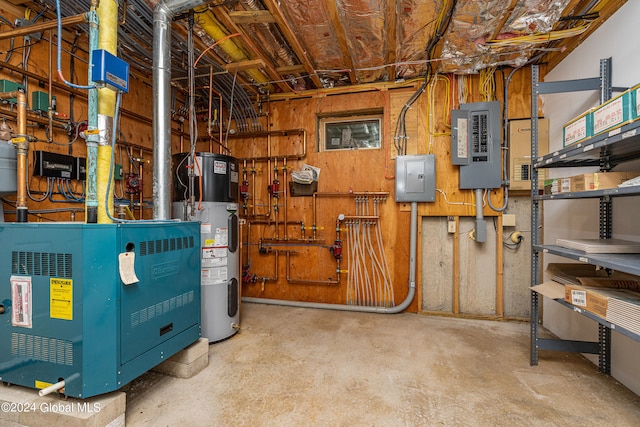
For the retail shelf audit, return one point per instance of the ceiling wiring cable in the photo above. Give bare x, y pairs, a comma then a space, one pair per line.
59, 53
537, 38
442, 23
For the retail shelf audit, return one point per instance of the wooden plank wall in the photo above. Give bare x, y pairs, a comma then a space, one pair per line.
343, 172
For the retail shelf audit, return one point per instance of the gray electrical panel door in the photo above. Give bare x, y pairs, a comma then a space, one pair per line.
416, 178
475, 144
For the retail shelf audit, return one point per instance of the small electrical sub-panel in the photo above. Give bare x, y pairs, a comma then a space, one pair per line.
416, 178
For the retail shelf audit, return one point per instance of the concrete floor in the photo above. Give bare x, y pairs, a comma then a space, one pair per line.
304, 367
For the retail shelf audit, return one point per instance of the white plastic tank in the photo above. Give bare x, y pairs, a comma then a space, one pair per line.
8, 166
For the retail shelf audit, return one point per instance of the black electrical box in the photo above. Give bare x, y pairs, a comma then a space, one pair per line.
54, 165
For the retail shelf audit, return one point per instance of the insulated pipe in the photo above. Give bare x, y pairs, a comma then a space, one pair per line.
206, 20
366, 309
107, 40
163, 14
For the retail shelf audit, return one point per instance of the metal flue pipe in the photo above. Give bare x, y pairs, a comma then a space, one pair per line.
163, 14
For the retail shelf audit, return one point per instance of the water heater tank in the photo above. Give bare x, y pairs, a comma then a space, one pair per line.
216, 176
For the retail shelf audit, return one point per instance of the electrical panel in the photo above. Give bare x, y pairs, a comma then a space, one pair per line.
475, 144
416, 178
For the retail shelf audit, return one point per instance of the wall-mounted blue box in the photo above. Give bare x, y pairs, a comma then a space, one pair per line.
109, 70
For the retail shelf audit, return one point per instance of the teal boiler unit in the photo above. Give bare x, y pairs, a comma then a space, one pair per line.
95, 305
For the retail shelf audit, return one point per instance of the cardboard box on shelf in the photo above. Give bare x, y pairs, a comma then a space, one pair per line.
578, 129
594, 300
612, 114
520, 152
600, 180
635, 102
557, 185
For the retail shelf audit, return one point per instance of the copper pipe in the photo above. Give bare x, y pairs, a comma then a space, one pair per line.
141, 194
181, 137
253, 187
50, 109
312, 282
286, 190
274, 197
268, 214
268, 134
43, 26
21, 144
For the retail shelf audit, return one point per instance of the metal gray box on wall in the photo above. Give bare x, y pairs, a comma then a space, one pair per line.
416, 178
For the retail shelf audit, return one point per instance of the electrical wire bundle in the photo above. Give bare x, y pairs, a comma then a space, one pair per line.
537, 38
441, 25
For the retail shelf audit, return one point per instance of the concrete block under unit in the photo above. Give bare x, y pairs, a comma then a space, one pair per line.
22, 406
188, 362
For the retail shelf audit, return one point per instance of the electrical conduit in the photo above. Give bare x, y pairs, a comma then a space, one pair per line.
366, 309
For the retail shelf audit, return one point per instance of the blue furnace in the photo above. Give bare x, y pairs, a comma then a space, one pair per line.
71, 308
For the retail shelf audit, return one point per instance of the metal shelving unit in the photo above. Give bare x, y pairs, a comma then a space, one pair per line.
604, 151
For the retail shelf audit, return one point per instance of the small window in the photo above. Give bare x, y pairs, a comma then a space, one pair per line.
350, 133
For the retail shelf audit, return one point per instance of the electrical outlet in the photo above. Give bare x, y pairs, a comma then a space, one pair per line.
451, 226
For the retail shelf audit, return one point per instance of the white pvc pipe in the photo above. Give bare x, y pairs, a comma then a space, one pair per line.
51, 388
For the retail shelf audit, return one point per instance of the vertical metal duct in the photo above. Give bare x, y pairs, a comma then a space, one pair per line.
163, 14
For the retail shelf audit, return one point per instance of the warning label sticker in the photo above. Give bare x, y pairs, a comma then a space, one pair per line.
21, 295
61, 299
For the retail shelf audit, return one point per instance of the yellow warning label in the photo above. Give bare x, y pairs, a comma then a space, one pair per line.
61, 299
41, 384
92, 131
18, 139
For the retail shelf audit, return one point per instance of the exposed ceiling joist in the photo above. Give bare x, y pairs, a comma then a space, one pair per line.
392, 19
293, 41
342, 41
251, 16
223, 17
